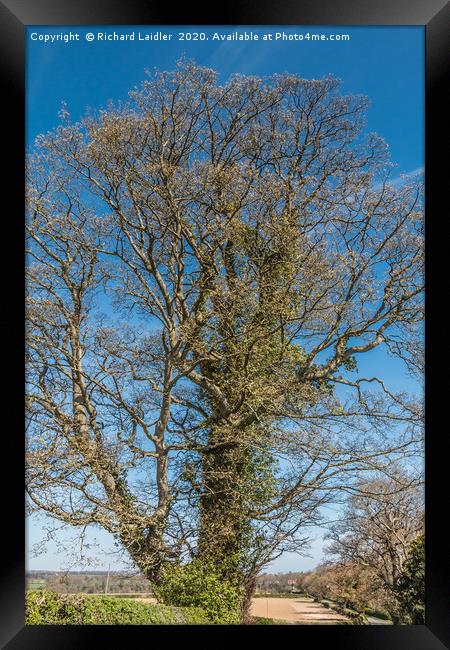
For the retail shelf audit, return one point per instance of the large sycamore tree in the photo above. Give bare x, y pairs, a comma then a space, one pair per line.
206, 265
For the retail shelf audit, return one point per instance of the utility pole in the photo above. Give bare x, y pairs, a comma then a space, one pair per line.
107, 580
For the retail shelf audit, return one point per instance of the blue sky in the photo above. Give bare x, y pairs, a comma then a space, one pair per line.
384, 63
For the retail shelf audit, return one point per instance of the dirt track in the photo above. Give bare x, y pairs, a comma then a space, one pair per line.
292, 610
295, 610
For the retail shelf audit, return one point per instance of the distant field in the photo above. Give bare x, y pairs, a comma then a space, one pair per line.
144, 598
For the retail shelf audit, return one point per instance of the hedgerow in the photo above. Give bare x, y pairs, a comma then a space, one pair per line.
49, 608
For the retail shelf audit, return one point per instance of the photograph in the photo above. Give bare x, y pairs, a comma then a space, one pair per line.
225, 325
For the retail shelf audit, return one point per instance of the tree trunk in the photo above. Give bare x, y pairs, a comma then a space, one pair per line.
223, 521
249, 590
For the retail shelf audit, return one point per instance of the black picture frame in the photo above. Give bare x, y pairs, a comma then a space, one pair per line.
15, 16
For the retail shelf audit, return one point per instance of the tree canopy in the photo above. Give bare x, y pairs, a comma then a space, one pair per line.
206, 264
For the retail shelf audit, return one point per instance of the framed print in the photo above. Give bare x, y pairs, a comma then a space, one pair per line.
229, 224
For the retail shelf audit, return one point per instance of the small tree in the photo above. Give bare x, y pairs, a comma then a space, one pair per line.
377, 528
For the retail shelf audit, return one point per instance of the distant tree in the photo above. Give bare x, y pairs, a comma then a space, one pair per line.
347, 584
410, 589
377, 528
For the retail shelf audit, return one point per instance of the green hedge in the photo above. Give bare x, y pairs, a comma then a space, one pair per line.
198, 584
49, 608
